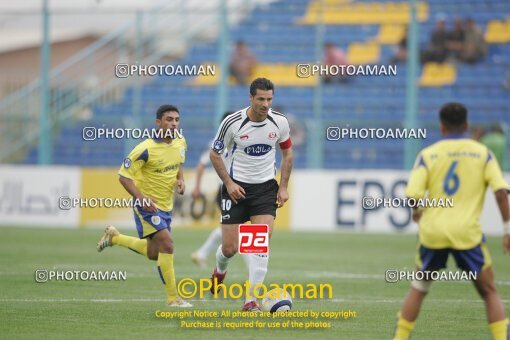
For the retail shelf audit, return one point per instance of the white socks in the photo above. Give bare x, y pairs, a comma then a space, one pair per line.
257, 269
212, 242
221, 261
246, 259
257, 272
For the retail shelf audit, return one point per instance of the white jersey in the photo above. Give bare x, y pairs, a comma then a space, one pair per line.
252, 145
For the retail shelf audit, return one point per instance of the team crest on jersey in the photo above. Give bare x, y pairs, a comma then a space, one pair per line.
218, 145
245, 137
156, 220
127, 163
272, 135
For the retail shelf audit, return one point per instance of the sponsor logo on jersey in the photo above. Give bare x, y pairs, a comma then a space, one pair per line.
257, 149
167, 168
245, 137
218, 145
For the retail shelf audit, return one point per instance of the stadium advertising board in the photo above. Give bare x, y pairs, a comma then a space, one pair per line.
332, 200
29, 196
323, 200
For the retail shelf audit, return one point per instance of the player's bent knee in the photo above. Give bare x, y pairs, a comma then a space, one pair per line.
486, 290
229, 250
421, 285
152, 253
230, 233
166, 247
484, 284
152, 250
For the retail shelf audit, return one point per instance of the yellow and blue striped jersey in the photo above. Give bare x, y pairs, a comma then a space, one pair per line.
458, 168
153, 166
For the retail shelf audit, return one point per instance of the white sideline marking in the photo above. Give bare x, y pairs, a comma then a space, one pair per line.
342, 275
401, 300
324, 301
162, 300
357, 276
143, 273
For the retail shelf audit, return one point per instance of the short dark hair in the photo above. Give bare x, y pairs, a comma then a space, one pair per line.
165, 108
453, 116
261, 84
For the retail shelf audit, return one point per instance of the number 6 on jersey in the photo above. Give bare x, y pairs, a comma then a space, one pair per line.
449, 189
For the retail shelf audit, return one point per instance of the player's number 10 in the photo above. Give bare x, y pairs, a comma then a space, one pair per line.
451, 182
226, 204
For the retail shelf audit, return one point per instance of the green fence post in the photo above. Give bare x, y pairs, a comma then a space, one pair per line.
45, 148
316, 134
411, 120
223, 61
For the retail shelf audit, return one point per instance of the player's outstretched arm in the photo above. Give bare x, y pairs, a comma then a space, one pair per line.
131, 188
235, 191
502, 199
285, 169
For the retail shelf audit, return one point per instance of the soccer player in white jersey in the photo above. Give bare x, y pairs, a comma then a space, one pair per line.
250, 191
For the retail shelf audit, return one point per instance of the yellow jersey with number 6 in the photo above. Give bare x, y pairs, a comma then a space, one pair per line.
459, 168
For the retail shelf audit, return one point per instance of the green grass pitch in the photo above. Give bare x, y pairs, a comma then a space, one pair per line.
354, 264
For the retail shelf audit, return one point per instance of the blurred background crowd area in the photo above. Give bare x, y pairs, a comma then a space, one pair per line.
463, 54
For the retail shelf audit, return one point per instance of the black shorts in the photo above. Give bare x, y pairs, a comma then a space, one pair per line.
260, 200
218, 196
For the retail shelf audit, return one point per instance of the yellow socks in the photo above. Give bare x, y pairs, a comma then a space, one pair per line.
165, 262
166, 271
135, 244
499, 330
403, 329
